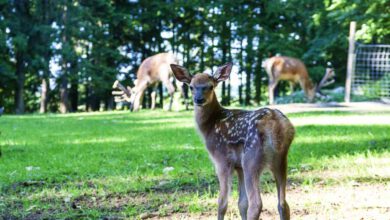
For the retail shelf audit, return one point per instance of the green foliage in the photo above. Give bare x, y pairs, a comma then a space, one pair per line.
92, 41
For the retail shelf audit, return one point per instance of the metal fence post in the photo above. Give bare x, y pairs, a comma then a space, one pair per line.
351, 50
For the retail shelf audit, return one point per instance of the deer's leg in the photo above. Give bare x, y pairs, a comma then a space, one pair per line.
170, 102
279, 169
243, 199
224, 172
153, 96
271, 90
139, 95
171, 89
138, 100
291, 86
184, 92
252, 169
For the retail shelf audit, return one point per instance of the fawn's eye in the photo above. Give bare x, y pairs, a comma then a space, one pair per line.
191, 87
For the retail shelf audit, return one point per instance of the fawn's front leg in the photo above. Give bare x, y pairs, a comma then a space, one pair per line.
224, 172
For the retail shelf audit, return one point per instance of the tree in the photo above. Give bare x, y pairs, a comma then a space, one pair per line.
91, 42
19, 21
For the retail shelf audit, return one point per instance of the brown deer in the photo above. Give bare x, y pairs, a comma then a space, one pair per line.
293, 70
245, 141
152, 70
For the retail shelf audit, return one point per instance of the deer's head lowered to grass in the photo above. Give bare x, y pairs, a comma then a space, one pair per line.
152, 70
245, 141
293, 70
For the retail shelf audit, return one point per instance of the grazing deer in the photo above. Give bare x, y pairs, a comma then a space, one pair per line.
245, 141
152, 70
293, 70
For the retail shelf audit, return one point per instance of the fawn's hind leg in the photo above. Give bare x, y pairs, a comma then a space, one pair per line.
279, 169
252, 170
243, 199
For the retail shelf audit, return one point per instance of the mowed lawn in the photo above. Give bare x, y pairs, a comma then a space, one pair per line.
152, 164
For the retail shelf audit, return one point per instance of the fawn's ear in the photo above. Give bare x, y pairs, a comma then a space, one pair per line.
181, 73
223, 72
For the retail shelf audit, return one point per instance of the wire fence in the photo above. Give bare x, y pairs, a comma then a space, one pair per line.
371, 75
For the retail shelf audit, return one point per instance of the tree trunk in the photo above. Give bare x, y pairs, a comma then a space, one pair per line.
45, 84
228, 98
64, 99
202, 53
19, 92
87, 97
95, 102
224, 51
44, 95
74, 95
19, 96
241, 61
258, 76
223, 93
64, 102
109, 104
248, 71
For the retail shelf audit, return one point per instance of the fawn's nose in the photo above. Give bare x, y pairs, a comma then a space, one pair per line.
199, 101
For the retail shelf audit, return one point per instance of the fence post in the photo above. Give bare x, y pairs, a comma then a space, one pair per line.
351, 53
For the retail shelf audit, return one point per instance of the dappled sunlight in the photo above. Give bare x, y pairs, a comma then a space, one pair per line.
335, 138
11, 143
157, 121
163, 123
97, 140
341, 120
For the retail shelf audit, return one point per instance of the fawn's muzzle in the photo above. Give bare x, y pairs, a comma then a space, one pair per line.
199, 101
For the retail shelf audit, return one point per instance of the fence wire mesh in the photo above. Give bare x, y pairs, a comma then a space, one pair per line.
371, 75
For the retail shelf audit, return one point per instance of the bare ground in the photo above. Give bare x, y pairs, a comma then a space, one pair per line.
351, 201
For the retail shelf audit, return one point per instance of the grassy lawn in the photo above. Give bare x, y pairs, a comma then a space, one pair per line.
153, 164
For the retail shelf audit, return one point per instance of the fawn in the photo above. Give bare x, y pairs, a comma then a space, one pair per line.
245, 141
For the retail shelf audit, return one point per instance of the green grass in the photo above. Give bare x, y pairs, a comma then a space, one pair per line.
112, 164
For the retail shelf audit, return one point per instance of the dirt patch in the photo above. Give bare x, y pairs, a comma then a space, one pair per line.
336, 202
